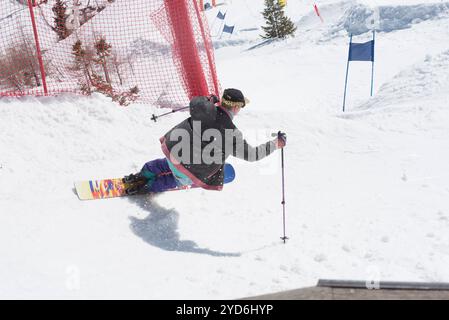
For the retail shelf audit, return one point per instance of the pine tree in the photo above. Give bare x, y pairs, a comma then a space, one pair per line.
59, 9
278, 26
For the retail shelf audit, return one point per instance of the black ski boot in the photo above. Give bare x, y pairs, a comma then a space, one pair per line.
134, 178
134, 189
136, 184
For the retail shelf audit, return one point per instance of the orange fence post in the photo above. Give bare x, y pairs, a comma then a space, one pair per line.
38, 47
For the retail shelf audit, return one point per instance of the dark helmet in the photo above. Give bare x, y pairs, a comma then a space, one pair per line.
234, 98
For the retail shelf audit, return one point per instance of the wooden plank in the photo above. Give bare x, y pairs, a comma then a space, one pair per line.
318, 293
391, 285
356, 290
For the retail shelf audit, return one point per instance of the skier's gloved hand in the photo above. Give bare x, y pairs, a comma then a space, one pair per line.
281, 140
213, 98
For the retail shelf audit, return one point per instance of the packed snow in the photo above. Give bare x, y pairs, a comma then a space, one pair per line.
367, 190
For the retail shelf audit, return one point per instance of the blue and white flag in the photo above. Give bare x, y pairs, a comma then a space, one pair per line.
361, 51
228, 29
221, 15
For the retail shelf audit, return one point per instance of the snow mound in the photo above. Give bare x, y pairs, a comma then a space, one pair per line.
357, 20
428, 79
52, 133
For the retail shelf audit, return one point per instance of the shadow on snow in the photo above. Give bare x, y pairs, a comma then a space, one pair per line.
160, 229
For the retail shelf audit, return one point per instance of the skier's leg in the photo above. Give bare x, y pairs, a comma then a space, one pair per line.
164, 177
141, 181
160, 176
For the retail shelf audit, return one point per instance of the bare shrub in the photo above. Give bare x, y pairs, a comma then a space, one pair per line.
92, 60
19, 67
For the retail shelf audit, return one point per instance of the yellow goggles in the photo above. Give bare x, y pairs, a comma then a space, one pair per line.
233, 104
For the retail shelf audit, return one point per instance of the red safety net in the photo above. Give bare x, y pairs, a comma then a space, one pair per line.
152, 51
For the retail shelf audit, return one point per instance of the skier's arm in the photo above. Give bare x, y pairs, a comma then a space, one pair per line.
243, 150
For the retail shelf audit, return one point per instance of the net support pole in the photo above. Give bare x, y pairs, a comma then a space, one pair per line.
38, 47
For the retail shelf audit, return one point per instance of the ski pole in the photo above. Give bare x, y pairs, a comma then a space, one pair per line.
155, 117
212, 98
283, 193
279, 135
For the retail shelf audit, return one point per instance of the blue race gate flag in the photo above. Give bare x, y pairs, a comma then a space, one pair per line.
228, 29
361, 51
221, 16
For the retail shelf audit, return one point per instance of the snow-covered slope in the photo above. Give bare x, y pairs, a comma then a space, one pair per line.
426, 80
367, 191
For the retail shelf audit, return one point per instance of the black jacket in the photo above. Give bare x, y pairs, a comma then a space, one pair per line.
200, 145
